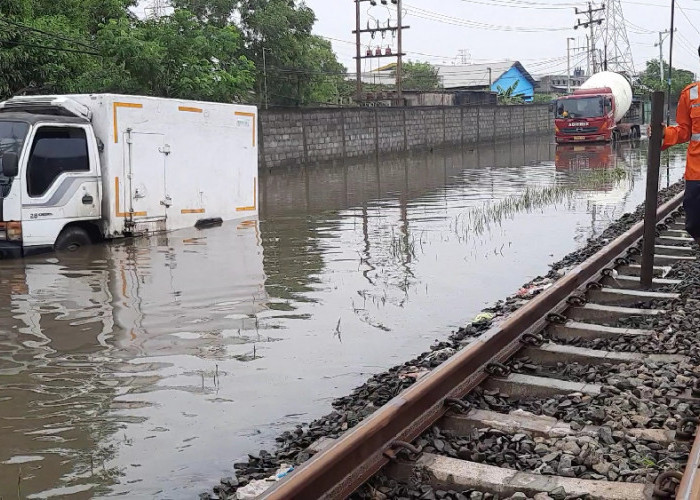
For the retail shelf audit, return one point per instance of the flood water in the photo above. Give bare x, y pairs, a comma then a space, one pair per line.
146, 368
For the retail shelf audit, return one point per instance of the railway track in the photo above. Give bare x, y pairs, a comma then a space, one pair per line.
492, 421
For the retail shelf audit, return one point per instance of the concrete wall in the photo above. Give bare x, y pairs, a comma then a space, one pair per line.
310, 136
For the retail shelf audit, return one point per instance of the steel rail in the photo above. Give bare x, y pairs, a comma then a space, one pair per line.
362, 451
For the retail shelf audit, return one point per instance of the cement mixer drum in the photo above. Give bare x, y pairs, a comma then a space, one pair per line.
620, 87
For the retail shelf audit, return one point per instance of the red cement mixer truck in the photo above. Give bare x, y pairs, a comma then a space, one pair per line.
602, 110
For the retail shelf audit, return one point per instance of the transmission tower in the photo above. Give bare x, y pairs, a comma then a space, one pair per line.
612, 40
157, 8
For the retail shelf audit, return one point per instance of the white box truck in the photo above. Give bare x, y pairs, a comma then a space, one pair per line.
76, 169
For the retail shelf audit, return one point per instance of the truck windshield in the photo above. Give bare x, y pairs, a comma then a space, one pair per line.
12, 135
582, 107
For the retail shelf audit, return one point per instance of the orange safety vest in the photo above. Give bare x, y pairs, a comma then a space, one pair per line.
688, 129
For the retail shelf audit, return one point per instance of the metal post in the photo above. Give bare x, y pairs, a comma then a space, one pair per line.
358, 60
661, 55
670, 62
490, 79
265, 73
653, 161
568, 65
399, 64
592, 46
588, 56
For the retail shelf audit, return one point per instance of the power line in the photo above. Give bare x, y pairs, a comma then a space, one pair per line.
686, 16
456, 21
47, 33
45, 47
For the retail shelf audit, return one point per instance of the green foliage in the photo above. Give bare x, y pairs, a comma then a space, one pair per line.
509, 96
301, 68
205, 49
420, 76
175, 56
650, 80
543, 98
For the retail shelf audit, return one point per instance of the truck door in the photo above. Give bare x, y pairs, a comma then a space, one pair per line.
61, 181
145, 182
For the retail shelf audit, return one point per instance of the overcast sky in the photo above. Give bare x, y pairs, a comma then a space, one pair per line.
440, 29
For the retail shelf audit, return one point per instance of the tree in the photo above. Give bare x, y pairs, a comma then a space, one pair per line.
175, 56
64, 46
651, 79
301, 68
420, 76
206, 49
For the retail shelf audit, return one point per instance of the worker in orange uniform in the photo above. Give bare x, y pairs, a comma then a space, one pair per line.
688, 129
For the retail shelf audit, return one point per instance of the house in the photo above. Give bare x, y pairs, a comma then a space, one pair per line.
488, 76
556, 84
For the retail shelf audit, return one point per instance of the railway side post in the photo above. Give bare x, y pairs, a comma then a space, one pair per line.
652, 195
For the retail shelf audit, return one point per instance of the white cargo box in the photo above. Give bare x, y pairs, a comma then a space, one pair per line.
168, 163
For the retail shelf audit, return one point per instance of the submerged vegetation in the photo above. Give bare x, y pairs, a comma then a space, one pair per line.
479, 219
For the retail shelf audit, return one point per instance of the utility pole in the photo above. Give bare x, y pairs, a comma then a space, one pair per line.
399, 64
588, 56
590, 22
396, 30
568, 65
265, 77
358, 55
670, 63
660, 45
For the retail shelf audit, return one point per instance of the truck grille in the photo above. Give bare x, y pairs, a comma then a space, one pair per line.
580, 130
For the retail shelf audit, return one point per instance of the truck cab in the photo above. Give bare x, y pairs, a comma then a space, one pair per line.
589, 116
50, 179
586, 116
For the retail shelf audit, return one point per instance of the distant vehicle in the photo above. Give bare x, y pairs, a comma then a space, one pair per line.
602, 110
81, 168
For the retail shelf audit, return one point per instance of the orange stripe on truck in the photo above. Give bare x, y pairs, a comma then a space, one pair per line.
189, 109
249, 115
255, 199
114, 112
192, 211
116, 203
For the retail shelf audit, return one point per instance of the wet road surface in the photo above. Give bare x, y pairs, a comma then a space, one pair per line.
146, 368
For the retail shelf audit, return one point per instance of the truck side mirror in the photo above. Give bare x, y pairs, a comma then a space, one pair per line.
10, 164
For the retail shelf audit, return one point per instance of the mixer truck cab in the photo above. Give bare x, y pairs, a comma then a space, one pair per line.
603, 110
83, 168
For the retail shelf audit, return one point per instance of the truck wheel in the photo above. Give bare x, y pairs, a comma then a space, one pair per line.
71, 239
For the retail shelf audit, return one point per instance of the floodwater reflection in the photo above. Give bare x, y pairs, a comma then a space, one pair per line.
145, 368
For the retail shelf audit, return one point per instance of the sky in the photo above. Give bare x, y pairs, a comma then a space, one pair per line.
533, 32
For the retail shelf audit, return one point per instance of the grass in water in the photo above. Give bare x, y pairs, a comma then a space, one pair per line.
479, 219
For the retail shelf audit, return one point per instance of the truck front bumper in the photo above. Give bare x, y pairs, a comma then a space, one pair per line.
570, 139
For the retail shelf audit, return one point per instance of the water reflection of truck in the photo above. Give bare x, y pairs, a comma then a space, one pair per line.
76, 169
602, 110
585, 156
